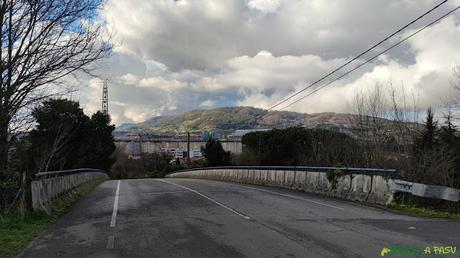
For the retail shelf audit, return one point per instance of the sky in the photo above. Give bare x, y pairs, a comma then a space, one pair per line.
172, 56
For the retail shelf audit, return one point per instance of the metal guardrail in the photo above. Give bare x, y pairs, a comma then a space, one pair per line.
51, 174
345, 170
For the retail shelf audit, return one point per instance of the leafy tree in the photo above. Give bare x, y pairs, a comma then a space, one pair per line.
427, 139
149, 165
214, 153
425, 147
97, 148
436, 153
66, 138
59, 134
300, 146
448, 153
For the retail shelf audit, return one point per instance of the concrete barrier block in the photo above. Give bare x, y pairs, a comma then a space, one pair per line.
279, 177
451, 194
242, 175
272, 177
311, 181
289, 178
374, 189
300, 179
266, 176
256, 176
360, 187
342, 188
323, 186
380, 192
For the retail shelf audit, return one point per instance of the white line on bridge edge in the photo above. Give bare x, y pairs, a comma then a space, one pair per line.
293, 197
208, 198
115, 206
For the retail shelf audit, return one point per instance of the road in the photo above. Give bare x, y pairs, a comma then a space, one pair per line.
203, 218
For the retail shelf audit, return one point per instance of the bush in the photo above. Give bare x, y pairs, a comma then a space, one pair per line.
300, 146
148, 165
334, 176
215, 154
8, 189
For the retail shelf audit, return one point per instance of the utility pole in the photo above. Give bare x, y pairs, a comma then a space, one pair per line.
105, 98
188, 149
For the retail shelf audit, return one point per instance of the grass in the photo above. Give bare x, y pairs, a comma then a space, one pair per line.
422, 212
17, 231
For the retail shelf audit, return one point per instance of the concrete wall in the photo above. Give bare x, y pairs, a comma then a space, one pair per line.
46, 190
427, 191
356, 187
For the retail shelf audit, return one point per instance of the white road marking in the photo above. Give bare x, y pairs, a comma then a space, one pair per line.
294, 197
208, 198
115, 207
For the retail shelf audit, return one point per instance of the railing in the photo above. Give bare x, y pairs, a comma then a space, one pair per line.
47, 186
357, 184
51, 174
383, 181
345, 170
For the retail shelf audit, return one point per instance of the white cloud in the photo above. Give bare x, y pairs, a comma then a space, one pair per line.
268, 6
129, 79
137, 115
161, 83
175, 56
208, 103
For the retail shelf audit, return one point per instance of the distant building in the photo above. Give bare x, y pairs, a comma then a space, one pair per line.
238, 134
174, 145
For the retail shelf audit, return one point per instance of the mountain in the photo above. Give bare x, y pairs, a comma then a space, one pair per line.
232, 118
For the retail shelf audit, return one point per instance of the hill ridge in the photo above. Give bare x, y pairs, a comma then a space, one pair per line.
234, 118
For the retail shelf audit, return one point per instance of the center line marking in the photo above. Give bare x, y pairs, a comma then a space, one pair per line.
115, 206
208, 198
294, 197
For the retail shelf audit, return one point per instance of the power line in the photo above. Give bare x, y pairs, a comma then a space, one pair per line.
358, 56
375, 56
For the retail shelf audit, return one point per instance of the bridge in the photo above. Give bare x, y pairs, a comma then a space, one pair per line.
189, 215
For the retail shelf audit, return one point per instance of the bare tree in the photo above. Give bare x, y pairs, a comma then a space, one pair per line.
370, 111
455, 82
64, 129
43, 41
406, 123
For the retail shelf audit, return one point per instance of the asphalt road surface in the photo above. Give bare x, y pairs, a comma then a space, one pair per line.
202, 218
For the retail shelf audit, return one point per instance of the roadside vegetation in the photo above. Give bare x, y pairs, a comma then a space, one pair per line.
299, 146
214, 154
16, 230
45, 44
63, 138
145, 166
423, 212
